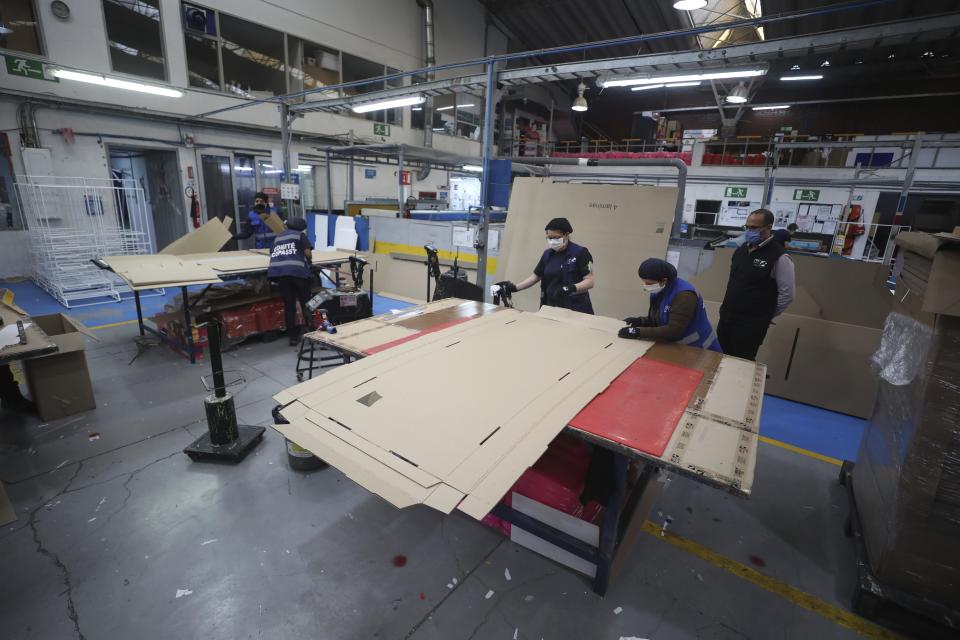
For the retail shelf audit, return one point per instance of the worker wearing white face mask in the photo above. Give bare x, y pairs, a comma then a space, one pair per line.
676, 310
565, 271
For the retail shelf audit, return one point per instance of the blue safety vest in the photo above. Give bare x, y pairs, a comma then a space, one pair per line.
287, 258
569, 274
699, 333
263, 235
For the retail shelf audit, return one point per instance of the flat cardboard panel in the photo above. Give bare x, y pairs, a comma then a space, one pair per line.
275, 223
621, 225
722, 453
212, 236
731, 394
60, 384
943, 290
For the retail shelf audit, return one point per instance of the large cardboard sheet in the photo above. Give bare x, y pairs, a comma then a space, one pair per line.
395, 426
159, 270
476, 444
212, 236
818, 351
621, 225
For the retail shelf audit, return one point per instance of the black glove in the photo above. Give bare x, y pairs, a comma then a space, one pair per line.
508, 286
568, 290
636, 321
628, 332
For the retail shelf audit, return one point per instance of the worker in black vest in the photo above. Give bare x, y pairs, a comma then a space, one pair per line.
565, 271
761, 287
290, 269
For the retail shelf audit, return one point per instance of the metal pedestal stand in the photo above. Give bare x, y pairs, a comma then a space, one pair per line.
225, 439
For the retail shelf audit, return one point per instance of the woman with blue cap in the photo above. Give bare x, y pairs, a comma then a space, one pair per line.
290, 268
565, 271
676, 310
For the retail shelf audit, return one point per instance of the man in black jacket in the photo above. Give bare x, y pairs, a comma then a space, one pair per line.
761, 286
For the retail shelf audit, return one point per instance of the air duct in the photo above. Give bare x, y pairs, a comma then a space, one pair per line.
430, 60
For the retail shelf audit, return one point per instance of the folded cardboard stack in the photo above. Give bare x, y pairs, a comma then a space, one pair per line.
907, 476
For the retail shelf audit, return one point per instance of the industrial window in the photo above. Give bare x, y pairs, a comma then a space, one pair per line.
19, 30
253, 58
357, 68
416, 113
233, 55
468, 116
445, 114
312, 66
135, 37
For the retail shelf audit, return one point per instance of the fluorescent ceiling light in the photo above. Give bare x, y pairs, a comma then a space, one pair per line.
466, 105
684, 84
771, 107
417, 109
472, 167
647, 86
444, 108
388, 104
689, 5
689, 77
116, 83
5, 30
789, 78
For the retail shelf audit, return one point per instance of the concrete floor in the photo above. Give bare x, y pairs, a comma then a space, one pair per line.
124, 537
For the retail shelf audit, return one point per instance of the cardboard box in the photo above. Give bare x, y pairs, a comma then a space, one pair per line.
818, 352
60, 382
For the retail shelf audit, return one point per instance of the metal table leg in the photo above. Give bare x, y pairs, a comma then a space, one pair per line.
610, 528
136, 298
187, 329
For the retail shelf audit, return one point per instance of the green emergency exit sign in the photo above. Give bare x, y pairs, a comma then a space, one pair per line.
806, 195
28, 68
735, 192
381, 129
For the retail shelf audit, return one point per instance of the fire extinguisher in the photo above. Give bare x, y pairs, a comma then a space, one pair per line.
194, 206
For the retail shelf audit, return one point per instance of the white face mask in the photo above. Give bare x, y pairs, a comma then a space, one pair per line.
555, 243
653, 288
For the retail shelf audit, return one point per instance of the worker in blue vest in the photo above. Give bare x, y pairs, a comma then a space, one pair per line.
289, 267
565, 271
262, 234
676, 310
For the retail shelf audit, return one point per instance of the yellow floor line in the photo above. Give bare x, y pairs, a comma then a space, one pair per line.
803, 452
112, 324
800, 598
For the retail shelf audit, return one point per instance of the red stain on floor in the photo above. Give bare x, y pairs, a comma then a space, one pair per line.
758, 561
399, 561
423, 596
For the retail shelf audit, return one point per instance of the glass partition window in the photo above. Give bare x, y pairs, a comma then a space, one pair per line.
445, 114
468, 116
312, 66
253, 59
20, 18
135, 37
203, 65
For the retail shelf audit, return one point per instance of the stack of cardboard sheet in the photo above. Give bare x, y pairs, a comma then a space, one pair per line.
401, 426
906, 481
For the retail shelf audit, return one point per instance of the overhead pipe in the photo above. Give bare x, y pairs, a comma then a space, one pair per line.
430, 60
676, 163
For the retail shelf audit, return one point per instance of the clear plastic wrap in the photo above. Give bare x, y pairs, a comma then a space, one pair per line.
904, 344
907, 474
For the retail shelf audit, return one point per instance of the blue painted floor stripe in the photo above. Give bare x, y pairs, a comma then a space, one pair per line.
826, 432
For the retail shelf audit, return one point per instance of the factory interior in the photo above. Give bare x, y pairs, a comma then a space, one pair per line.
480, 319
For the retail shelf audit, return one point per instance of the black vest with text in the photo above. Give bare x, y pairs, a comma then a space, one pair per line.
751, 289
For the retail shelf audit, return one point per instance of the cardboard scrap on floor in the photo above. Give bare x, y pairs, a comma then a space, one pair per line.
401, 425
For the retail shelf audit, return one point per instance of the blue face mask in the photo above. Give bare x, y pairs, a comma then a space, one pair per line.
752, 236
